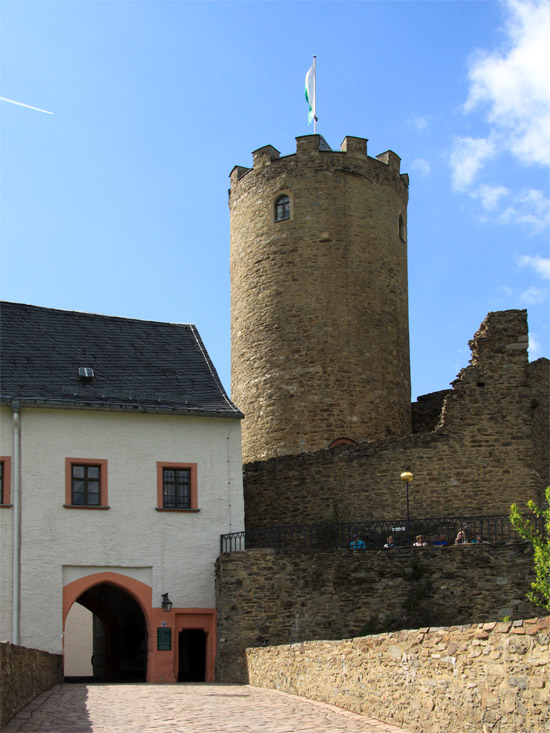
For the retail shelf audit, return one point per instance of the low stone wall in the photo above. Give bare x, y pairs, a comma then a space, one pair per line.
491, 677
24, 674
266, 597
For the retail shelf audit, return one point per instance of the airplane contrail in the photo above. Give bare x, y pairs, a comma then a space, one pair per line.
28, 106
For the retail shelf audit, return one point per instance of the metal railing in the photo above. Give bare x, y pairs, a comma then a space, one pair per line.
373, 535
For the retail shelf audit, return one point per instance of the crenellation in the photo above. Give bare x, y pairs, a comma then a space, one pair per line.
392, 160
308, 144
264, 155
354, 145
237, 173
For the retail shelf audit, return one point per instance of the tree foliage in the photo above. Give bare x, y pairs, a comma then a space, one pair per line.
540, 587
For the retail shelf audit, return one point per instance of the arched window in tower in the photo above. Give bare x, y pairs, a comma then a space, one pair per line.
282, 208
341, 441
402, 228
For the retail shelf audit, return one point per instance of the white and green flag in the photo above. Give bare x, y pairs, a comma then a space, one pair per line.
310, 93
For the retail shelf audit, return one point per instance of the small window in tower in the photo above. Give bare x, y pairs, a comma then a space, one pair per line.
341, 441
402, 228
282, 208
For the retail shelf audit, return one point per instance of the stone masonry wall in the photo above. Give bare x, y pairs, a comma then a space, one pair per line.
266, 597
489, 450
426, 411
319, 304
539, 382
24, 674
490, 677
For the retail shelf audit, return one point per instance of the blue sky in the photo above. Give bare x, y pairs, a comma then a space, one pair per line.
117, 203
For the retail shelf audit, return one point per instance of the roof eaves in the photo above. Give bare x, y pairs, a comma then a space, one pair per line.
120, 407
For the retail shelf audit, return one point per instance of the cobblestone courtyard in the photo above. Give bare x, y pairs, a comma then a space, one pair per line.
189, 708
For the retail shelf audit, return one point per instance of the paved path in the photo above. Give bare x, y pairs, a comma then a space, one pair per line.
188, 708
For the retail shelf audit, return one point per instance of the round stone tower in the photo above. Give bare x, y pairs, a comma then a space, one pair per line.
319, 304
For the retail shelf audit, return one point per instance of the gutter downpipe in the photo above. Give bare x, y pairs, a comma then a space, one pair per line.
16, 499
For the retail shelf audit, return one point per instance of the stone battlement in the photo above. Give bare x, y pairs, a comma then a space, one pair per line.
351, 149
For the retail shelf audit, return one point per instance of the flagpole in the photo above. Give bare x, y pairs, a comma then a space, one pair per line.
315, 95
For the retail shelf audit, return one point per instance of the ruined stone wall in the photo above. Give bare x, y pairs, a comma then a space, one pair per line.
539, 379
319, 304
426, 411
484, 677
24, 674
490, 449
266, 597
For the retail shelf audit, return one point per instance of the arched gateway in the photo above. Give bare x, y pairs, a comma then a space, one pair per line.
132, 640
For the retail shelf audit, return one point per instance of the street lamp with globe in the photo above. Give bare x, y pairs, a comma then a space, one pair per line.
407, 477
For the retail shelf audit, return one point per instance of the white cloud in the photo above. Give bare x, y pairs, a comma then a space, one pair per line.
506, 290
514, 83
534, 347
420, 122
467, 158
533, 295
529, 207
539, 264
511, 87
490, 196
422, 166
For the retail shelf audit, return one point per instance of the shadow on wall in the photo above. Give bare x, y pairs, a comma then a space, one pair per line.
25, 674
57, 703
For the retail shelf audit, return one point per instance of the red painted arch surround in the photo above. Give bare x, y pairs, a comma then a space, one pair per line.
140, 592
161, 665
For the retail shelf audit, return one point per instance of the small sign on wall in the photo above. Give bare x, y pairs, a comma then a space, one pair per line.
164, 639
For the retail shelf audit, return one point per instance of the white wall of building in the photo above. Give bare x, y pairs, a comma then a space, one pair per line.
172, 551
6, 535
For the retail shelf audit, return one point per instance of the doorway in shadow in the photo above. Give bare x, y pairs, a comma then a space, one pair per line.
191, 655
119, 635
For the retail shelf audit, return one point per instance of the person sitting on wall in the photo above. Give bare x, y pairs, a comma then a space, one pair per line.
440, 541
478, 539
420, 541
356, 543
461, 538
390, 542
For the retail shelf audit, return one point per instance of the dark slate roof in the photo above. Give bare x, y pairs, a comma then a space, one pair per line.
137, 364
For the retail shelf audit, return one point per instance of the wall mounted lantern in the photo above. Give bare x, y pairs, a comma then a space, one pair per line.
166, 603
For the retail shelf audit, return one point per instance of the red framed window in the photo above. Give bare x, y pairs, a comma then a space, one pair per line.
5, 481
86, 483
177, 487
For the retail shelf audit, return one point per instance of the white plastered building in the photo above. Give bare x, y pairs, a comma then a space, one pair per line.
121, 467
